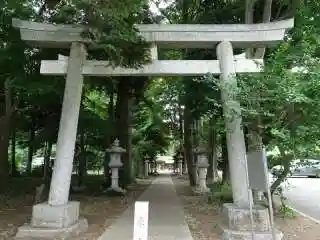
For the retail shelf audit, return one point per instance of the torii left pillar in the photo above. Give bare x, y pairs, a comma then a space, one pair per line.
59, 217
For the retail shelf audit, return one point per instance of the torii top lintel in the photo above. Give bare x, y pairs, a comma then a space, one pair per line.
164, 35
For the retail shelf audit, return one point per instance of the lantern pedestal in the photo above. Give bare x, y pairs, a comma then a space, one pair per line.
201, 166
180, 164
180, 167
115, 180
115, 163
202, 180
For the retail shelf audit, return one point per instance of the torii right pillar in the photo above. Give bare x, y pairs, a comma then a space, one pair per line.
238, 223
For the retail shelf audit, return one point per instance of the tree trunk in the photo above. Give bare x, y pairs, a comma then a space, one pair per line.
110, 135
82, 171
140, 167
124, 119
5, 117
213, 158
13, 151
195, 143
180, 123
31, 148
4, 145
225, 159
188, 145
47, 171
181, 140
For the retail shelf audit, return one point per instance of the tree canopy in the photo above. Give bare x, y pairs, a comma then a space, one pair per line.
153, 116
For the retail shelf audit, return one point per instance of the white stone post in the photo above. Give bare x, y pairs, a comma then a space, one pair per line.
115, 163
180, 161
234, 132
202, 165
61, 176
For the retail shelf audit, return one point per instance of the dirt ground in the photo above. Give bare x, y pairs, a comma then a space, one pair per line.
203, 218
99, 210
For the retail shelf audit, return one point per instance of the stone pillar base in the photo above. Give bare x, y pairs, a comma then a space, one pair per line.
247, 235
237, 223
53, 222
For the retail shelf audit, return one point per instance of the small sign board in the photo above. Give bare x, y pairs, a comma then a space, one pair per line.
259, 180
258, 170
141, 220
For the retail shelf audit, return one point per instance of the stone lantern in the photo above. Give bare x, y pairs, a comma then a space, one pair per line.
180, 161
146, 166
202, 166
115, 163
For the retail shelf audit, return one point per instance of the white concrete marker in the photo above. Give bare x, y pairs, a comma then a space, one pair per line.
141, 221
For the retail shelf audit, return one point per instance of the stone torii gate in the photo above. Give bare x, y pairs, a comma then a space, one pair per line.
59, 215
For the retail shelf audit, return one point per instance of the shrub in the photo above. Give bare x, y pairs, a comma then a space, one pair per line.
286, 212
220, 193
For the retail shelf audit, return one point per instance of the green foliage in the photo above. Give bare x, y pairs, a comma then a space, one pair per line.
220, 193
150, 133
37, 99
287, 102
110, 25
286, 212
